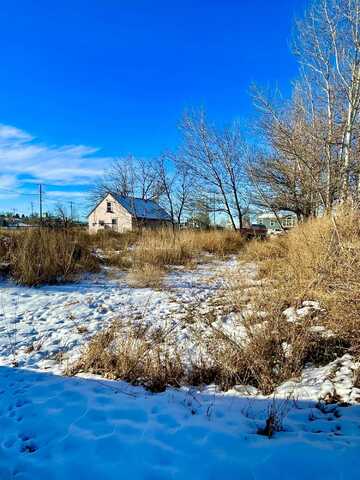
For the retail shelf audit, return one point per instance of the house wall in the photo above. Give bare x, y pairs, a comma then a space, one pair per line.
100, 214
272, 223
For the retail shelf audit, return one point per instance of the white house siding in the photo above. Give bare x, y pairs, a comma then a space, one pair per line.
100, 214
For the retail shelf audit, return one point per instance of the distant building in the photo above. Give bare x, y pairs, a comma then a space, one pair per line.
124, 214
272, 222
12, 222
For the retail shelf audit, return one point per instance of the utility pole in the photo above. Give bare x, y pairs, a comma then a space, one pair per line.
40, 201
71, 210
32, 209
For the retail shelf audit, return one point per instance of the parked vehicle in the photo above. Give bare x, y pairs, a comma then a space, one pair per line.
256, 230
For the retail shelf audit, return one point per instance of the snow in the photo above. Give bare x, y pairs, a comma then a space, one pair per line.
56, 427
40, 326
321, 382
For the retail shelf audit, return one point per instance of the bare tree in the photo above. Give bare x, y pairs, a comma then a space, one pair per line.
176, 185
328, 47
281, 185
288, 174
217, 158
312, 141
129, 177
62, 216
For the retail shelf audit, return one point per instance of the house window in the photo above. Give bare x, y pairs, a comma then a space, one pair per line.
109, 207
289, 222
101, 223
114, 221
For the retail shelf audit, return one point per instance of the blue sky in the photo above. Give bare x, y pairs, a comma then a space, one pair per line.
84, 81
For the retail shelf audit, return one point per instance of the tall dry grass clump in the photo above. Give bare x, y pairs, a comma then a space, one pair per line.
318, 261
161, 248
139, 355
271, 352
219, 242
146, 276
165, 247
44, 256
109, 240
156, 250
319, 258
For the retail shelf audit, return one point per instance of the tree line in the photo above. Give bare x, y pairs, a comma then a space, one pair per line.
301, 154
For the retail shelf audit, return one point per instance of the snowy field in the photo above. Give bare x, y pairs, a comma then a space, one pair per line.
55, 427
47, 327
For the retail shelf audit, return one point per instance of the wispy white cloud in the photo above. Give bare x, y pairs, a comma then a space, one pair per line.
23, 158
65, 194
8, 132
8, 181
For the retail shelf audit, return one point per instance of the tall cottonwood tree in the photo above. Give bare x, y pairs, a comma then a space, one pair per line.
316, 133
327, 44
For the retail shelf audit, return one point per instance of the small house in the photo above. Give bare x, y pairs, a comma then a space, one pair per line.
125, 214
277, 223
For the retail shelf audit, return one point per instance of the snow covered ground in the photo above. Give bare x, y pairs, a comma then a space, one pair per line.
55, 427
47, 327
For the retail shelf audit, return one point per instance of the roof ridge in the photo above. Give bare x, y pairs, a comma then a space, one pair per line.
135, 198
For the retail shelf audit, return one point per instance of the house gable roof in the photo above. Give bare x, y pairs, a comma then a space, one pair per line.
139, 208
143, 209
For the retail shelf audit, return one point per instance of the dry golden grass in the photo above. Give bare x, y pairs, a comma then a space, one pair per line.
39, 256
164, 247
146, 276
218, 242
161, 248
43, 255
137, 355
320, 261
110, 241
